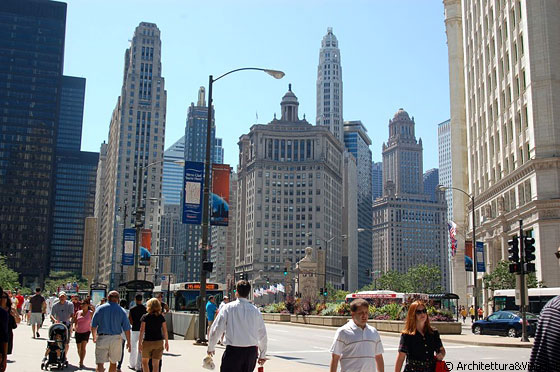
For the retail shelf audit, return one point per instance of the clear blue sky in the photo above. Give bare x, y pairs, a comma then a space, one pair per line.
393, 53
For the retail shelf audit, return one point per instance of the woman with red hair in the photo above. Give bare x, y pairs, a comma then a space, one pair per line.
420, 343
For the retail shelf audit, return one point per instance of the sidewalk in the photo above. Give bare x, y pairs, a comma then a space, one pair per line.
182, 355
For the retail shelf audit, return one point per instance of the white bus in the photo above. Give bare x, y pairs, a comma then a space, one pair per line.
504, 299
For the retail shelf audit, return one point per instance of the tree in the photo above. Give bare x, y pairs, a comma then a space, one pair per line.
8, 277
425, 279
57, 279
501, 278
393, 281
335, 295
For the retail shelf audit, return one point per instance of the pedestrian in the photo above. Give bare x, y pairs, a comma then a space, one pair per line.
62, 312
544, 355
419, 342
50, 303
37, 305
76, 303
13, 319
82, 326
222, 304
123, 304
134, 316
109, 321
20, 300
103, 301
164, 306
480, 313
357, 345
245, 338
4, 334
464, 314
471, 313
211, 310
153, 337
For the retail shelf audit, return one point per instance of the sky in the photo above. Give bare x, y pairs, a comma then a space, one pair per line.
393, 55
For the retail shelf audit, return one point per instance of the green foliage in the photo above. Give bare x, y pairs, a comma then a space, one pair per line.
60, 278
275, 308
394, 311
418, 279
343, 308
8, 277
330, 309
501, 278
393, 281
335, 295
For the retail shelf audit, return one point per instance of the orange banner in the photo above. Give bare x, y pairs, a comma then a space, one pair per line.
220, 194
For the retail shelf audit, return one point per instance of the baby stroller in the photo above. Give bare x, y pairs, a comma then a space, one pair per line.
56, 358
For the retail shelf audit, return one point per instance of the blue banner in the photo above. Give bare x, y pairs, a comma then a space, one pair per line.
480, 266
193, 180
129, 244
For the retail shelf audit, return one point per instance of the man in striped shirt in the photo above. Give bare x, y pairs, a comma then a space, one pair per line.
545, 355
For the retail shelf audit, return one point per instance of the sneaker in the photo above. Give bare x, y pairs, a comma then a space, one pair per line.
38, 335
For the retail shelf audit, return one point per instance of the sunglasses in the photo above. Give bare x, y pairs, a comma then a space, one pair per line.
423, 311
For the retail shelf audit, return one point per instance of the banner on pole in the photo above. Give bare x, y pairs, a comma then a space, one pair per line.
129, 244
220, 195
145, 247
193, 179
468, 256
480, 266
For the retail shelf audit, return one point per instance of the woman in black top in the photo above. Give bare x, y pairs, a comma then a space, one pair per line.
13, 318
153, 331
419, 342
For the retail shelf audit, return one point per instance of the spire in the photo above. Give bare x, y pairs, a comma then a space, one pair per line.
201, 97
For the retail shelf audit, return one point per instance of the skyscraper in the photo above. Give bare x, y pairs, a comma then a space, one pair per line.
290, 196
408, 228
71, 114
173, 172
445, 165
431, 182
377, 180
357, 143
32, 50
329, 86
135, 152
504, 62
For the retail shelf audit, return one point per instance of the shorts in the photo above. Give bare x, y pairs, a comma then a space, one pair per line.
152, 349
108, 348
81, 337
36, 318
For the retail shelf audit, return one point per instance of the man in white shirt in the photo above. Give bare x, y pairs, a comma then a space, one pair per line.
357, 345
245, 337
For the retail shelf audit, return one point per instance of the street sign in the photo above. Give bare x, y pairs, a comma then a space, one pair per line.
164, 280
129, 245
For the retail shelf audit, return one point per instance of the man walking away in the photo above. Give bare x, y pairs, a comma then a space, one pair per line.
134, 316
545, 355
109, 320
38, 305
245, 338
357, 345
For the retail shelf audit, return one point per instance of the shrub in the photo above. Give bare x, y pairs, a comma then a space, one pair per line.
343, 308
275, 308
330, 309
394, 311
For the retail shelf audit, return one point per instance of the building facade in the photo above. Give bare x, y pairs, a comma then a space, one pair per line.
445, 164
431, 182
134, 153
289, 196
30, 80
173, 172
377, 180
504, 61
329, 86
170, 226
357, 143
408, 228
71, 114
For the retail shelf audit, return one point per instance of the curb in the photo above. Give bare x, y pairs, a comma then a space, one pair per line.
394, 334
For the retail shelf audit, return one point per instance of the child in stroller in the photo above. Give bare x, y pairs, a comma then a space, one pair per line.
55, 355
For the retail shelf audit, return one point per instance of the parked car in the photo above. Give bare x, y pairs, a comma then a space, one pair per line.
508, 323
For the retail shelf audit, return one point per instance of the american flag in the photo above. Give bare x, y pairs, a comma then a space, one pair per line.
452, 233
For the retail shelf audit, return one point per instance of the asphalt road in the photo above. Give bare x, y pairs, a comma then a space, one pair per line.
310, 346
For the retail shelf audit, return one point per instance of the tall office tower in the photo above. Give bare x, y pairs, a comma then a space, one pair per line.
32, 50
135, 152
222, 253
357, 143
195, 150
350, 254
290, 196
218, 151
445, 166
100, 209
329, 86
510, 61
74, 185
169, 229
409, 228
377, 180
431, 182
173, 172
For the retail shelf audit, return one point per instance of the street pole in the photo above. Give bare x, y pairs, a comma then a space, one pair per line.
522, 282
124, 227
138, 223
475, 269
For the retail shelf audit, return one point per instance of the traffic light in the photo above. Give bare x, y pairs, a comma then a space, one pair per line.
529, 247
241, 276
515, 268
368, 272
184, 256
513, 249
285, 271
325, 292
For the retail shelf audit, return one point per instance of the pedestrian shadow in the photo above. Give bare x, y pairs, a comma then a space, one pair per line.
172, 355
73, 368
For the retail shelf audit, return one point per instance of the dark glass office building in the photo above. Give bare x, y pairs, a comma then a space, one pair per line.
31, 63
72, 93
74, 199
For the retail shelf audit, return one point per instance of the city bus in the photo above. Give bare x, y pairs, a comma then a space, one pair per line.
183, 296
504, 299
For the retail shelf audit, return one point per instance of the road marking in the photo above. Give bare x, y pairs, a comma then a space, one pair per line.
298, 351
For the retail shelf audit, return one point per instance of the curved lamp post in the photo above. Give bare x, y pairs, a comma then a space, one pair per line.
475, 272
201, 340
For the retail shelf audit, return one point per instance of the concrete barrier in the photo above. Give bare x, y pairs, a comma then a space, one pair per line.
185, 325
276, 317
329, 321
444, 328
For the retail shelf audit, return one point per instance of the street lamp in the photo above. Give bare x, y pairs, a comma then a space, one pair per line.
201, 340
475, 272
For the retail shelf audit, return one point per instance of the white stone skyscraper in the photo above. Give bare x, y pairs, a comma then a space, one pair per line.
329, 86
134, 153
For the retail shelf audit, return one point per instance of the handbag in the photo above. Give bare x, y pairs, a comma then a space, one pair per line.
441, 366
